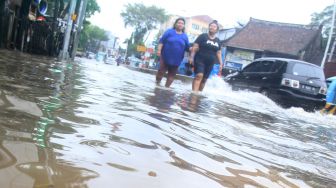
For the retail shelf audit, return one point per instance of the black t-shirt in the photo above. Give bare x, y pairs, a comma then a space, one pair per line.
207, 47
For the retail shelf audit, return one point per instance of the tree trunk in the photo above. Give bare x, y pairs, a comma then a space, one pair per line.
147, 37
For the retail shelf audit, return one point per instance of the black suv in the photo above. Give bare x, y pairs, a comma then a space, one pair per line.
287, 81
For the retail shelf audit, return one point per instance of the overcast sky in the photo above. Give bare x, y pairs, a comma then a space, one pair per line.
226, 12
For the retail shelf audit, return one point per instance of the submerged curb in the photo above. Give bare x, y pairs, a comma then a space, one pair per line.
181, 77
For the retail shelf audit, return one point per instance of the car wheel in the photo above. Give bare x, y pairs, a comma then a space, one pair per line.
265, 92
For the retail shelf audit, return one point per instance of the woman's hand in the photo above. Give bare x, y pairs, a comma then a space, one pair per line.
220, 69
191, 60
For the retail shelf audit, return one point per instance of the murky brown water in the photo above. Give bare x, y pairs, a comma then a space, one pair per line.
95, 125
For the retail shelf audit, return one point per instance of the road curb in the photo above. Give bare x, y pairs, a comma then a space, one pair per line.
183, 78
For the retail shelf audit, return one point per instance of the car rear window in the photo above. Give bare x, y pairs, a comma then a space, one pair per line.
301, 69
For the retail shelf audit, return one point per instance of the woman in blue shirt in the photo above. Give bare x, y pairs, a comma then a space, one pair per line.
173, 43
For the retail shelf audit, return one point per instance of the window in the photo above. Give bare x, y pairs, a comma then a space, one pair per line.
260, 66
277, 66
301, 69
195, 26
264, 66
204, 30
251, 67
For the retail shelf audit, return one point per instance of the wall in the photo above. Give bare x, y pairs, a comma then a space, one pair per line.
330, 69
191, 31
239, 56
195, 27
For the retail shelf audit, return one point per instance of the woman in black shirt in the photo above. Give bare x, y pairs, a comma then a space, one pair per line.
205, 52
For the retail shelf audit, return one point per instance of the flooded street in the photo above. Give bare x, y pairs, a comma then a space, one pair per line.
90, 124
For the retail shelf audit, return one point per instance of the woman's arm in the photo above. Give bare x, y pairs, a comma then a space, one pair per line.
159, 49
219, 57
194, 49
163, 41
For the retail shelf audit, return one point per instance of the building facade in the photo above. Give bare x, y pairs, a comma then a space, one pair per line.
195, 25
261, 38
36, 26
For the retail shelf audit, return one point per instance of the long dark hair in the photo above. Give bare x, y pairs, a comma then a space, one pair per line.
178, 19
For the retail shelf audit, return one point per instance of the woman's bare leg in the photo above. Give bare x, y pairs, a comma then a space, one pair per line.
171, 75
197, 82
160, 73
201, 87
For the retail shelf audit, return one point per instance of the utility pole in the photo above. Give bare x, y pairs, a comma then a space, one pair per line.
2, 19
329, 38
332, 51
54, 26
80, 20
64, 54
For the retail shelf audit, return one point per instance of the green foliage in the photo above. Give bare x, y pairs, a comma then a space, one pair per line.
323, 18
97, 33
91, 8
143, 19
91, 36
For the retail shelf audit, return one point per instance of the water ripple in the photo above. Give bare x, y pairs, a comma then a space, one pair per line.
68, 125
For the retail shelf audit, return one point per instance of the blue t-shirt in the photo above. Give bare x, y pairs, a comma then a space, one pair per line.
331, 93
174, 46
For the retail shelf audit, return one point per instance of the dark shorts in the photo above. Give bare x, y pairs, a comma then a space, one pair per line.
171, 68
202, 65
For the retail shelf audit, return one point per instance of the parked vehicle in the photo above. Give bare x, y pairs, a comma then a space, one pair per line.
134, 62
110, 60
80, 53
287, 81
90, 55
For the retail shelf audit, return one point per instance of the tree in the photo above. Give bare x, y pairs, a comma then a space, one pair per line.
325, 18
143, 19
91, 8
92, 36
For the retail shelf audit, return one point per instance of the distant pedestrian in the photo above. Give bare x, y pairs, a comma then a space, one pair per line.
206, 51
118, 60
172, 46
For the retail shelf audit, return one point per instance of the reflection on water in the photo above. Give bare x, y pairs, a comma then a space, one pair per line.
162, 98
30, 95
89, 124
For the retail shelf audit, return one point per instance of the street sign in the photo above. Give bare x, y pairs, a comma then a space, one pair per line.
150, 50
141, 48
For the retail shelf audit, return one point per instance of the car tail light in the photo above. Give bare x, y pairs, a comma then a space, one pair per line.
295, 84
290, 83
323, 90
286, 82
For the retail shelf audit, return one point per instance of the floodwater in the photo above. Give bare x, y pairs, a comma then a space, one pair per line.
90, 124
